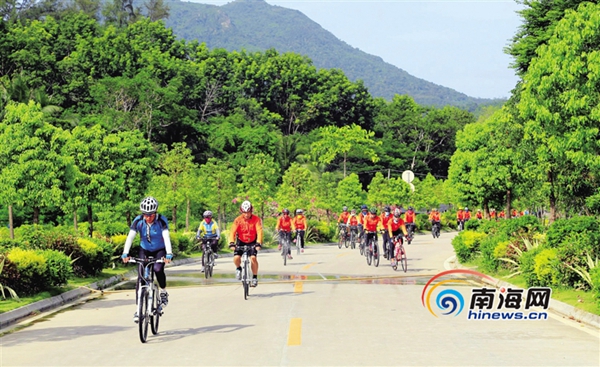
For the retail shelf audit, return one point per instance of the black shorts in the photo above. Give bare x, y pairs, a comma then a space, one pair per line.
239, 252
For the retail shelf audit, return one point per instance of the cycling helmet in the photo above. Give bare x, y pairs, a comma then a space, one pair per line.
246, 207
286, 211
387, 209
299, 211
466, 208
363, 207
373, 210
434, 210
410, 208
207, 214
353, 211
345, 208
149, 205
397, 213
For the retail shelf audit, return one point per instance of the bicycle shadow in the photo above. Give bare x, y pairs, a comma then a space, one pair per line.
277, 294
176, 334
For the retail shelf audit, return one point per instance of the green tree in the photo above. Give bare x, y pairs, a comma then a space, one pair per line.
334, 141
382, 191
295, 191
325, 193
350, 193
218, 183
259, 179
559, 104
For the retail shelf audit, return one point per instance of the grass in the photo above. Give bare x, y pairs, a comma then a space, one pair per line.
583, 300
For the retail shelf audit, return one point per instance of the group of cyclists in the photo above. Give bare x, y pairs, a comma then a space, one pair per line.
286, 225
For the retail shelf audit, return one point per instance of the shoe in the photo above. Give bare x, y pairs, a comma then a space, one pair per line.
136, 319
254, 282
202, 270
302, 250
238, 274
216, 255
290, 257
164, 297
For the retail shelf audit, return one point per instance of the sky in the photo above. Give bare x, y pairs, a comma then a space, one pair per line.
456, 44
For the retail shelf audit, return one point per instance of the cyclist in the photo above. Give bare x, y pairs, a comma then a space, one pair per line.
342, 220
352, 222
395, 226
385, 218
246, 230
409, 219
492, 214
155, 241
284, 227
364, 212
209, 231
466, 214
299, 225
371, 224
434, 217
460, 219
479, 215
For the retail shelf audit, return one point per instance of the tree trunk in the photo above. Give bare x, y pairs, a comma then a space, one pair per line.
187, 216
90, 220
507, 212
128, 215
11, 224
75, 219
36, 215
345, 158
174, 219
552, 199
486, 209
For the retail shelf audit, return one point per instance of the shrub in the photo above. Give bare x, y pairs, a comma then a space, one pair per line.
322, 232
32, 269
109, 229
573, 253
7, 244
492, 249
527, 266
472, 225
423, 223
448, 219
466, 244
562, 228
59, 269
595, 276
93, 256
545, 267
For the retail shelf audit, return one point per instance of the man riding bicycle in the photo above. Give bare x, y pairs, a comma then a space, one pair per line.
434, 217
396, 226
342, 219
246, 230
364, 212
385, 218
409, 220
284, 227
352, 223
299, 225
208, 230
155, 241
371, 224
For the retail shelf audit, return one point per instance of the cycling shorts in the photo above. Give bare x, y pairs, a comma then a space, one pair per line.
251, 252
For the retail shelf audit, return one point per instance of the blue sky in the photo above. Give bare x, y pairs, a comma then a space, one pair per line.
457, 44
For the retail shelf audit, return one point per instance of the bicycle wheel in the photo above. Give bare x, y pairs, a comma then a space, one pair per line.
245, 281
376, 255
211, 264
403, 260
284, 253
361, 246
155, 315
369, 254
206, 262
340, 241
143, 318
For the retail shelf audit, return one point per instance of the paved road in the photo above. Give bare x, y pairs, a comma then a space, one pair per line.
325, 308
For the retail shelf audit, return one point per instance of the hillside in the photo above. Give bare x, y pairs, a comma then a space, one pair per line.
254, 25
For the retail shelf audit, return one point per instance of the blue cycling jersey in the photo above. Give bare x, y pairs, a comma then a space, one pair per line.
151, 235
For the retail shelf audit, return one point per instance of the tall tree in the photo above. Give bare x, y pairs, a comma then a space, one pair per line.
259, 179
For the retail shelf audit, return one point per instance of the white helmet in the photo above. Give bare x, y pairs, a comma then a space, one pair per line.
149, 205
397, 212
246, 207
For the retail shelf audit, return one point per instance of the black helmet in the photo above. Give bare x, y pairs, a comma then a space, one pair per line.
363, 207
286, 211
387, 209
410, 208
373, 210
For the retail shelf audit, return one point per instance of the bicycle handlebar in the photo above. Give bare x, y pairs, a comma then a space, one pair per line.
145, 261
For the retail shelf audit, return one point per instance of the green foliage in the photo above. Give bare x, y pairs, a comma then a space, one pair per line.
3, 280
32, 270
545, 264
422, 222
112, 228
527, 266
94, 255
586, 226
58, 269
466, 244
350, 192
448, 219
473, 224
322, 231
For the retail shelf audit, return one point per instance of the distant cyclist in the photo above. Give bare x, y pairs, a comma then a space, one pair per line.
409, 220
209, 231
342, 219
155, 241
246, 230
284, 227
371, 224
396, 226
299, 225
385, 218
364, 212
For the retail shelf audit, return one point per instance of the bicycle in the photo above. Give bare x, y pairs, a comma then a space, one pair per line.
245, 269
343, 238
149, 308
285, 248
353, 235
298, 241
410, 229
372, 252
208, 257
399, 254
435, 229
360, 239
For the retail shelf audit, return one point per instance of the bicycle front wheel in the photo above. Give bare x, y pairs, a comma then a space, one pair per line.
284, 254
206, 262
369, 255
143, 318
340, 241
155, 315
403, 261
246, 281
376, 255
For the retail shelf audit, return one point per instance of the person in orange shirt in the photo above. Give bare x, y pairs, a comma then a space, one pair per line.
385, 218
371, 224
493, 214
395, 227
352, 223
342, 219
284, 227
364, 212
460, 219
299, 225
246, 230
466, 214
501, 214
515, 214
479, 215
409, 220
435, 219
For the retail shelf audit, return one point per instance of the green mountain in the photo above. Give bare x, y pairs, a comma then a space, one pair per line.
254, 25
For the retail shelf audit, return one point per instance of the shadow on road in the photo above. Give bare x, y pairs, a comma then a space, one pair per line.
170, 335
57, 334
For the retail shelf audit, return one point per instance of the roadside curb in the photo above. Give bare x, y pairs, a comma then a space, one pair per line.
565, 310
